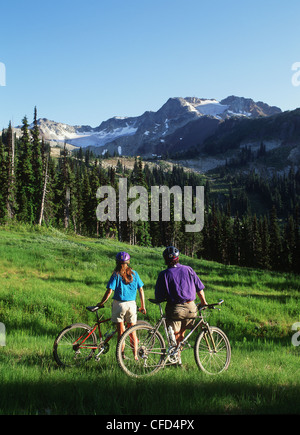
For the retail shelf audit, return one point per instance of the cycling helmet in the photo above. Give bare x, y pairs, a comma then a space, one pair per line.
122, 257
170, 253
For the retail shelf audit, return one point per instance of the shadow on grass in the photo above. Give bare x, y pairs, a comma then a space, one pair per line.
93, 391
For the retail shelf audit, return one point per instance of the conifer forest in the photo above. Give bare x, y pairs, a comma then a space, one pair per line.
38, 189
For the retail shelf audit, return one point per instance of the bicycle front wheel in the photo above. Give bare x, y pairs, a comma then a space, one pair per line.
141, 351
212, 351
74, 345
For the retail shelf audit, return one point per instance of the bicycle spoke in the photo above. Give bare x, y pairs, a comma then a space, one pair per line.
74, 345
142, 355
212, 351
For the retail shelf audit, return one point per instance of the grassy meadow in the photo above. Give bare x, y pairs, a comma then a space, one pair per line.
47, 278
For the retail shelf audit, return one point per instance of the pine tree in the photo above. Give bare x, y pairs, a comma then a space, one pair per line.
275, 241
141, 229
37, 168
3, 183
94, 185
265, 242
289, 244
64, 185
236, 241
25, 178
11, 182
50, 206
256, 245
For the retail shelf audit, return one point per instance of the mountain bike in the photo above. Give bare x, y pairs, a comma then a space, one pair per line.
149, 353
78, 343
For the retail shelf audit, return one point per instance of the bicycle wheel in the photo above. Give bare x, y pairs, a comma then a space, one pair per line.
150, 351
73, 345
143, 322
212, 351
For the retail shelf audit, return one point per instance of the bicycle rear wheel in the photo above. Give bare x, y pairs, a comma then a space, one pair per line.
149, 347
74, 345
212, 351
143, 322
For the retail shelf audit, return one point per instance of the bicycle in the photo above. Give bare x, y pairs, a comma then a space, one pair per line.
78, 343
212, 349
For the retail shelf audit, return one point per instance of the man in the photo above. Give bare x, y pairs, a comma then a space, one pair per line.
178, 285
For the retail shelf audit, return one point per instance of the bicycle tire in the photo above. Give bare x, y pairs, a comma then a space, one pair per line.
65, 351
151, 351
209, 360
143, 322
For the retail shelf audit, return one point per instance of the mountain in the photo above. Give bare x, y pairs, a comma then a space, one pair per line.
179, 124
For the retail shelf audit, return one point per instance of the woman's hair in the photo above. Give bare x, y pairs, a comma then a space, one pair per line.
125, 271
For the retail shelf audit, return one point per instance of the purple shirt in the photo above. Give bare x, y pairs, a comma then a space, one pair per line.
177, 284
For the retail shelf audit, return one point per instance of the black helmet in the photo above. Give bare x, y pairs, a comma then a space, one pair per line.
170, 253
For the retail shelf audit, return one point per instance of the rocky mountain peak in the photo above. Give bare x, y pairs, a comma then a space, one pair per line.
179, 124
248, 107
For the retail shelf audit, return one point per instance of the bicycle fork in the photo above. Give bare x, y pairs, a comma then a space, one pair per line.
213, 348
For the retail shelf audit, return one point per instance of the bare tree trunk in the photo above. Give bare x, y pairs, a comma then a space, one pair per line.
67, 208
44, 194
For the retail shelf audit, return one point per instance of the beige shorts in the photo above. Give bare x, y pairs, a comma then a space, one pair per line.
124, 312
181, 316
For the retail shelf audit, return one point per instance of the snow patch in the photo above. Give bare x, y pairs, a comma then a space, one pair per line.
211, 107
94, 138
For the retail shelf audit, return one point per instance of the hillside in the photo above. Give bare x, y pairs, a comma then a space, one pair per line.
47, 277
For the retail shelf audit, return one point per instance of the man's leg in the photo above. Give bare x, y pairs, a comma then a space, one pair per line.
180, 335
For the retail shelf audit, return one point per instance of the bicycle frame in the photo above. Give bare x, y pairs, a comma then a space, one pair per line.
102, 344
173, 349
97, 324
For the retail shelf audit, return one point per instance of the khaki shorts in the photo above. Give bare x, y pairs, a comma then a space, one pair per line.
124, 312
181, 316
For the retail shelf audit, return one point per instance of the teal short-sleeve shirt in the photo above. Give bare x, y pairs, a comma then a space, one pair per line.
124, 292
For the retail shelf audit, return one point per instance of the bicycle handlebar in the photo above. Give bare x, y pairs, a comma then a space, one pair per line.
210, 306
95, 308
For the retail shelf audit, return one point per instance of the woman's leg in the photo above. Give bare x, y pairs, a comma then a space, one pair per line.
133, 341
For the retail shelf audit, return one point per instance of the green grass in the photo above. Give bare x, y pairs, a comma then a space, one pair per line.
47, 278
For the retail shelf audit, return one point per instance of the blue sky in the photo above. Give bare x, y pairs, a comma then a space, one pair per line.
84, 62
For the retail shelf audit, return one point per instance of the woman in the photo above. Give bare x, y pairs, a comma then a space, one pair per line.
124, 282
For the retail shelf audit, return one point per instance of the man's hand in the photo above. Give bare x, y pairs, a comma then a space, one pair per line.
142, 310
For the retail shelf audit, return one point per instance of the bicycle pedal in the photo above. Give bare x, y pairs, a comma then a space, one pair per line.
103, 350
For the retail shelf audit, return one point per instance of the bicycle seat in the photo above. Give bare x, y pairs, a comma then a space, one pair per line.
154, 301
93, 309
